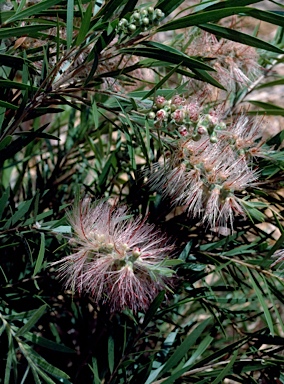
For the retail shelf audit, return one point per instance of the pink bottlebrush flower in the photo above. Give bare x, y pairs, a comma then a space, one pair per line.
235, 63
117, 260
229, 210
204, 177
247, 136
212, 208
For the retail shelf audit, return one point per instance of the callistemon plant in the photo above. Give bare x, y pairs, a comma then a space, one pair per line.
117, 259
210, 164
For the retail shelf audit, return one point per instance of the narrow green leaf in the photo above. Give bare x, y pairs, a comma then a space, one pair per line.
168, 6
198, 18
43, 364
35, 374
43, 342
7, 105
110, 353
3, 200
12, 61
231, 3
95, 371
40, 254
171, 57
6, 141
201, 348
271, 84
95, 113
267, 112
110, 8
183, 349
222, 375
10, 359
204, 76
84, 29
160, 83
32, 321
15, 84
266, 106
239, 37
155, 305
272, 301
69, 23
21, 211
29, 30
32, 10
262, 302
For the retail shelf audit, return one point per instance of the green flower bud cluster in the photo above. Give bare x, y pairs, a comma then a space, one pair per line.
144, 18
187, 118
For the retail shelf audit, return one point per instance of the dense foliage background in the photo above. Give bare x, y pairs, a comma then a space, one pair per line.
83, 85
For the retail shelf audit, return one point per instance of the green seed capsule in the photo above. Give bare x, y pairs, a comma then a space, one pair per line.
144, 13
132, 27
122, 22
145, 21
136, 15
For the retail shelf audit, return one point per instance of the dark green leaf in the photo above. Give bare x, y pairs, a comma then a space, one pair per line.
196, 19
40, 254
69, 22
32, 321
174, 58
183, 349
29, 30
32, 10
110, 353
84, 29
239, 37
43, 342
155, 305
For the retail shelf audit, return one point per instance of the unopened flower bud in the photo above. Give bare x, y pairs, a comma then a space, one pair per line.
183, 131
151, 115
136, 252
159, 13
177, 101
160, 101
178, 116
145, 21
202, 130
132, 27
144, 12
150, 10
213, 138
192, 111
122, 22
136, 16
161, 115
